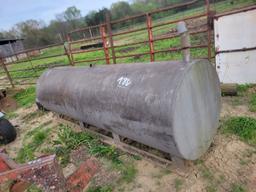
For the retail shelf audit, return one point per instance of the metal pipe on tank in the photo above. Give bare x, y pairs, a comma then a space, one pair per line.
185, 40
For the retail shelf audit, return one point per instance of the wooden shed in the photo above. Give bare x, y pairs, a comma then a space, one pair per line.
10, 47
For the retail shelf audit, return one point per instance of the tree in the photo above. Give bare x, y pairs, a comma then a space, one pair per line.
33, 33
96, 17
120, 9
72, 13
72, 16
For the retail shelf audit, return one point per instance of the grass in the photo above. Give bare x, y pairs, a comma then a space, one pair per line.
26, 97
100, 189
37, 138
11, 115
206, 173
213, 182
33, 115
69, 140
178, 184
211, 188
252, 103
243, 127
243, 88
237, 188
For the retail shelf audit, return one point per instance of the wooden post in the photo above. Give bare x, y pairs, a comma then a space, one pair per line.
67, 53
185, 40
207, 4
90, 31
6, 71
104, 40
70, 50
109, 30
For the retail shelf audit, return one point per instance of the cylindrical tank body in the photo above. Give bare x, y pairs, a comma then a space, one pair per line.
170, 106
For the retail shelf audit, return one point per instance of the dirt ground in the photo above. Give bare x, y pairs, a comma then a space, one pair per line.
229, 164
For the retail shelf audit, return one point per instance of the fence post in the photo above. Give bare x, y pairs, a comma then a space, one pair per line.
105, 46
207, 6
109, 29
150, 36
69, 51
6, 71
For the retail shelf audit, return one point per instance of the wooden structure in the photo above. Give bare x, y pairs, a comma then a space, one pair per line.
9, 47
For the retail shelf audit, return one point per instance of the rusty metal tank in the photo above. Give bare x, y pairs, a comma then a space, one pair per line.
171, 106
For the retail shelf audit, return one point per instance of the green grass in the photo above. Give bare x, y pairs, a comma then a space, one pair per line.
206, 173
69, 140
100, 189
211, 188
237, 188
11, 115
244, 127
37, 138
243, 88
33, 188
178, 184
252, 103
128, 172
26, 97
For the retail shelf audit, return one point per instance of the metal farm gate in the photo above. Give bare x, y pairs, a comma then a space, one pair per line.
145, 37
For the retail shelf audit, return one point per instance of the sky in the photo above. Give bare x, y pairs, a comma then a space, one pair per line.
14, 11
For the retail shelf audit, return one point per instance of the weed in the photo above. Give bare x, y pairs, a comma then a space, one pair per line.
69, 140
206, 173
178, 184
137, 157
26, 97
237, 188
198, 162
211, 188
37, 129
100, 189
252, 103
244, 162
237, 101
221, 178
33, 188
26, 153
128, 172
243, 88
244, 127
11, 115
161, 173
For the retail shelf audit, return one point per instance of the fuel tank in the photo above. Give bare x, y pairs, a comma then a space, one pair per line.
171, 106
